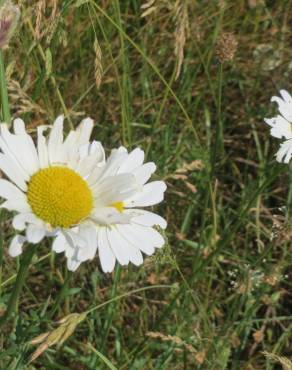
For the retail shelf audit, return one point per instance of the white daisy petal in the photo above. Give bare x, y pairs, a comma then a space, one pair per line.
42, 147
114, 162
16, 244
89, 233
19, 126
73, 238
138, 237
106, 255
71, 249
151, 194
145, 218
19, 129
11, 170
88, 164
16, 204
20, 220
60, 243
84, 131
152, 237
133, 253
55, 142
280, 127
115, 189
109, 216
284, 154
286, 96
10, 191
134, 160
91, 148
35, 233
143, 173
117, 246
77, 142
21, 148
285, 108
72, 264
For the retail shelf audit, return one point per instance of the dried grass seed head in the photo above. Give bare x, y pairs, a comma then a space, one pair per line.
9, 16
226, 47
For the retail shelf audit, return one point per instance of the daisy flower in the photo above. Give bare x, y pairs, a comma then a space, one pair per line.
281, 125
122, 230
66, 190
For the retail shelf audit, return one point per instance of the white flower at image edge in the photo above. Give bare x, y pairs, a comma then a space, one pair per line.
281, 125
67, 190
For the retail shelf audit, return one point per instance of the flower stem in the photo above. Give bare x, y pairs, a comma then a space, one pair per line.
22, 272
3, 91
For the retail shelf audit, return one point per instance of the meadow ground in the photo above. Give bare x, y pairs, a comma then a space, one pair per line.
218, 295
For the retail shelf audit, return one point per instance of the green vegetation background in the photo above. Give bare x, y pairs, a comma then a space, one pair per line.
148, 74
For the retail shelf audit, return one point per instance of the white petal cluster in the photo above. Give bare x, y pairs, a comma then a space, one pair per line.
281, 125
118, 236
123, 178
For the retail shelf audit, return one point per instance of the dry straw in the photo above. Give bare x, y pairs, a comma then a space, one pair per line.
284, 361
177, 341
57, 336
181, 31
148, 7
43, 26
20, 100
98, 69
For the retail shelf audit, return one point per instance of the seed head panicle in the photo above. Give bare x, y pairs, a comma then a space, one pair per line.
226, 47
57, 336
9, 16
98, 68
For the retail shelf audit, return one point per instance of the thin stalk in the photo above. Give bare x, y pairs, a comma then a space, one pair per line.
62, 294
111, 309
218, 137
289, 198
53, 80
124, 295
1, 250
154, 68
3, 90
126, 126
219, 127
21, 275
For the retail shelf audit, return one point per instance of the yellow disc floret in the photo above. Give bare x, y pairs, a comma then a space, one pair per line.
119, 206
59, 196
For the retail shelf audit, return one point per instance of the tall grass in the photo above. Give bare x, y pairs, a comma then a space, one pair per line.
218, 294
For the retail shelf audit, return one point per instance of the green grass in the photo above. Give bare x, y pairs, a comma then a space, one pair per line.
223, 278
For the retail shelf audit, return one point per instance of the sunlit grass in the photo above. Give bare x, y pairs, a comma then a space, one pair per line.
221, 292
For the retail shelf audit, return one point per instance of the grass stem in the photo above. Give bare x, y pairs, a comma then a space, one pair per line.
62, 294
20, 279
3, 90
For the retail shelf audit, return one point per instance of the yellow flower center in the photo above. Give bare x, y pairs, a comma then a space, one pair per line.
119, 206
59, 196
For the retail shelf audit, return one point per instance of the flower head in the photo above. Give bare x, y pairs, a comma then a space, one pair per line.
67, 190
281, 125
226, 47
